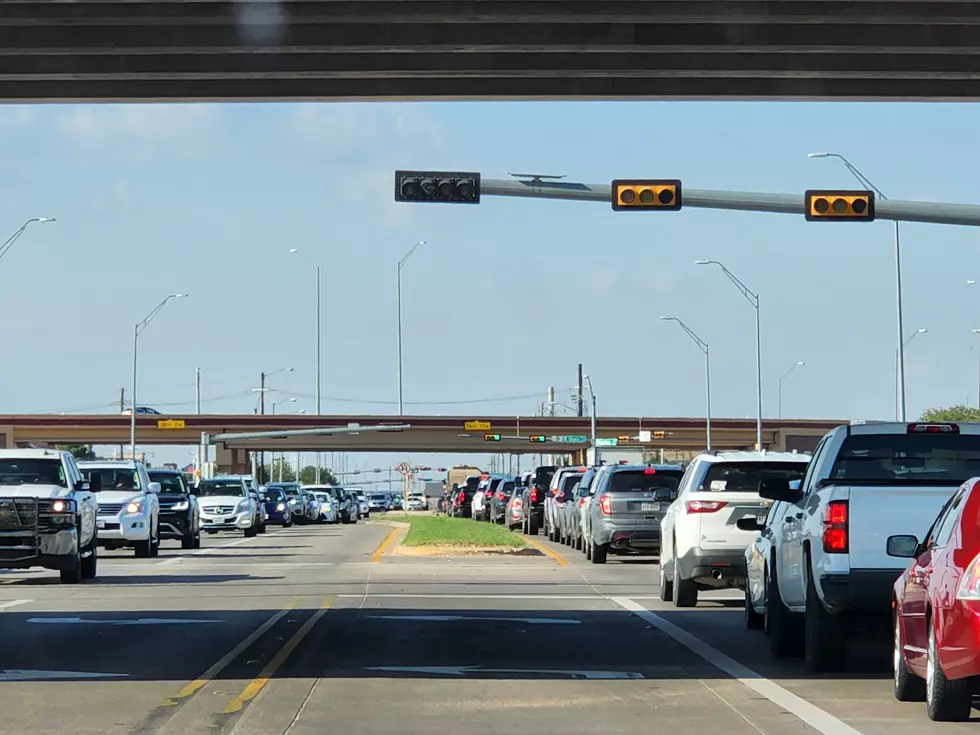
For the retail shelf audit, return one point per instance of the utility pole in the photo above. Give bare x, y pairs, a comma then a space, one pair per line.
578, 391
200, 447
262, 394
122, 409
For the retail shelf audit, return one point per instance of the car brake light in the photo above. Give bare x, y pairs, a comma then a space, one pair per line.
580, 469
605, 504
581, 503
969, 588
705, 506
933, 429
534, 495
649, 471
835, 527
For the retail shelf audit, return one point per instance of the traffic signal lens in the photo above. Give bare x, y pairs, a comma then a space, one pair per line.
627, 196
446, 190
411, 190
464, 190
666, 196
647, 196
840, 206
859, 206
821, 205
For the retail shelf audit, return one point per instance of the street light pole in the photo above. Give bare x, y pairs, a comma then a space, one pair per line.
137, 331
703, 346
753, 298
8, 243
864, 181
592, 421
905, 343
401, 263
293, 251
779, 402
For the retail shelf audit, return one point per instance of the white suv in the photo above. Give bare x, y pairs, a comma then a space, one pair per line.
702, 548
227, 505
129, 509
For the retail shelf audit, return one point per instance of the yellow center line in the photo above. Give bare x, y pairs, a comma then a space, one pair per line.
548, 552
255, 686
389, 540
193, 687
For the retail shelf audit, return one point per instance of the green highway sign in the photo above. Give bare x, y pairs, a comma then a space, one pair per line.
610, 442
570, 439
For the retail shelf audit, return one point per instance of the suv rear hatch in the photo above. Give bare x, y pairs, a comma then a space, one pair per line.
539, 482
632, 495
730, 491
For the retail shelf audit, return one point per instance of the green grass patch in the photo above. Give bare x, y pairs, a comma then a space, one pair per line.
444, 531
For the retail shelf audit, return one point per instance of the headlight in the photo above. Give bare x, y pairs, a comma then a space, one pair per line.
60, 506
135, 506
280, 506
243, 505
182, 505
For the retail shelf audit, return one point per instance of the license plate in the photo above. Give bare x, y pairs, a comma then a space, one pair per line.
100, 524
650, 507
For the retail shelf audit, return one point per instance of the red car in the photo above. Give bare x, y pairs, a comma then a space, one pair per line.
936, 610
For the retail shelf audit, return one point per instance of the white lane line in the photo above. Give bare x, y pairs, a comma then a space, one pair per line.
417, 596
13, 603
454, 618
204, 552
808, 713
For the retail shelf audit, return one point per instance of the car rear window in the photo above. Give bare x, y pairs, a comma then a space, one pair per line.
638, 481
910, 458
569, 483
508, 487
543, 475
744, 477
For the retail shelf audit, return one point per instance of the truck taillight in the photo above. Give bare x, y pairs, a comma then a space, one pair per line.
605, 504
705, 506
534, 495
835, 527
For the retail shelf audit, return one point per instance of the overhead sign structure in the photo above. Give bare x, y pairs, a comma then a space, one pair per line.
646, 194
646, 436
170, 424
537, 439
491, 437
606, 442
839, 205
447, 187
570, 439
477, 426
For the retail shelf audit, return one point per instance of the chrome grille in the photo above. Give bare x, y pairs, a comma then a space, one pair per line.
218, 510
110, 509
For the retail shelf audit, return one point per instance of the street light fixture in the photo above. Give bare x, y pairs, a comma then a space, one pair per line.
401, 263
753, 299
797, 364
137, 331
864, 181
703, 346
23, 228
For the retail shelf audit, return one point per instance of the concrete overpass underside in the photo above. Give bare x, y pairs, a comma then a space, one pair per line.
86, 50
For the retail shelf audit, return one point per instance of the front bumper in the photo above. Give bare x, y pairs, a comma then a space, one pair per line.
229, 522
175, 526
123, 528
52, 550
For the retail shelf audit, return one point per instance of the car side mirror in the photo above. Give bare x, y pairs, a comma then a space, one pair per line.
778, 488
749, 523
903, 546
95, 482
155, 487
82, 485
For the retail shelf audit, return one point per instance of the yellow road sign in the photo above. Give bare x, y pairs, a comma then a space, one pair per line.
477, 426
170, 424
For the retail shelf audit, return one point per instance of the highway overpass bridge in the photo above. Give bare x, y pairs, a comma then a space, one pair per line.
441, 434
487, 49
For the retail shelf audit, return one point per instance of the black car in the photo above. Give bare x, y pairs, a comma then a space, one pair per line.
179, 513
533, 500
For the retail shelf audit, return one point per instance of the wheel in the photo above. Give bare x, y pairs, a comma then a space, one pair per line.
685, 592
946, 701
252, 531
906, 686
753, 619
782, 627
73, 573
825, 635
143, 549
666, 585
287, 522
599, 552
587, 548
197, 539
187, 542
155, 542
90, 563
532, 527
261, 529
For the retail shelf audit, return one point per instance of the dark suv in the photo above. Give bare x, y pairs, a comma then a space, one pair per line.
533, 500
179, 513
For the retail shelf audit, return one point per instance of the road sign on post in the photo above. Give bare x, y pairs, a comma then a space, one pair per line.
477, 426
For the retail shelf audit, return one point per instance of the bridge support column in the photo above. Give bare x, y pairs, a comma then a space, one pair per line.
231, 461
7, 437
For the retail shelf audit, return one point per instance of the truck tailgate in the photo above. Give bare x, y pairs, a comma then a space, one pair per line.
875, 513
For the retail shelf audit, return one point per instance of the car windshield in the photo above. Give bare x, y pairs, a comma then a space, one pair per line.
322, 497
213, 488
115, 478
744, 477
378, 496
273, 495
908, 458
32, 472
170, 482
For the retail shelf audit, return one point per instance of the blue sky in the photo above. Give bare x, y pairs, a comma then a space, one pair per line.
505, 298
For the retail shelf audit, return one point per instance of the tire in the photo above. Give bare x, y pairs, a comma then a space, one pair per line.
781, 626
946, 701
155, 542
90, 564
143, 549
73, 573
685, 592
287, 523
599, 552
197, 539
252, 531
753, 619
825, 635
187, 542
906, 686
666, 585
261, 529
532, 527
587, 548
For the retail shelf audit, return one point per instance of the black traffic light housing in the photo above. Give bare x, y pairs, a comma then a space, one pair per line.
491, 437
646, 194
446, 187
840, 205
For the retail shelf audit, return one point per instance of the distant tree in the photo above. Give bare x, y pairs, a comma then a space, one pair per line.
78, 451
307, 476
272, 471
952, 413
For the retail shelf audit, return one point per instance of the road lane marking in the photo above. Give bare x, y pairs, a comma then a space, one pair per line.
34, 674
136, 621
808, 713
547, 552
193, 687
465, 596
205, 552
251, 691
13, 603
452, 618
388, 541
464, 670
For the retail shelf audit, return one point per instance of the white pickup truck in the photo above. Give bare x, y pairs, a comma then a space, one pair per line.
829, 573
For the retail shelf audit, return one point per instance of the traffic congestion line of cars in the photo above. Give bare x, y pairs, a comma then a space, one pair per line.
56, 512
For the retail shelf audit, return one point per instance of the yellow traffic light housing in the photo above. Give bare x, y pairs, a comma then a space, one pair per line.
491, 437
840, 205
538, 439
660, 435
646, 194
447, 187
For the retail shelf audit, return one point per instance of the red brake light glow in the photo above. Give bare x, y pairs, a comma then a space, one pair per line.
933, 429
484, 477
581, 502
705, 506
534, 495
649, 471
835, 527
605, 504
580, 469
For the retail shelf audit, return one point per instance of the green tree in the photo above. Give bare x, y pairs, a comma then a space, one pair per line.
307, 476
78, 451
952, 413
272, 471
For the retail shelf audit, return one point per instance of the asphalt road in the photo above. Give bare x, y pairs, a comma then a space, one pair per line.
308, 629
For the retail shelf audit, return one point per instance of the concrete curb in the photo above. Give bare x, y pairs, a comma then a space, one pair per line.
398, 532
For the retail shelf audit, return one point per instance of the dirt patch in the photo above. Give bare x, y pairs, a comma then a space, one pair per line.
437, 550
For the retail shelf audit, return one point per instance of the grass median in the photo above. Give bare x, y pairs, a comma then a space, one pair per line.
444, 531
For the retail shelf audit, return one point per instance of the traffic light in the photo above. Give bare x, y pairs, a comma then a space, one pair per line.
649, 194
622, 440
660, 435
538, 439
491, 437
840, 205
448, 187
